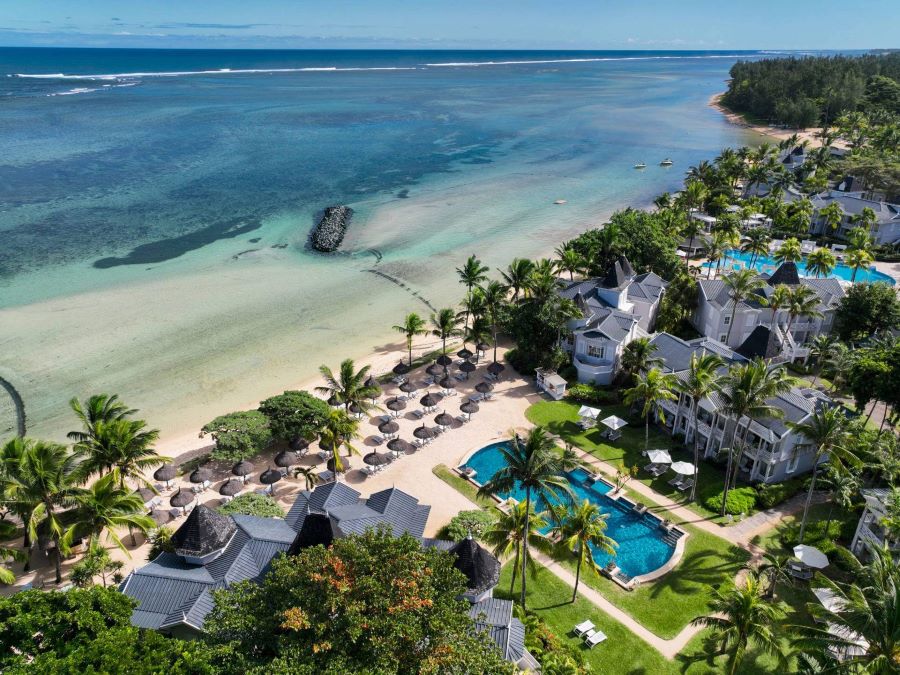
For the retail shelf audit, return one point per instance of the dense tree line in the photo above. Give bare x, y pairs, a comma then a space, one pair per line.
805, 92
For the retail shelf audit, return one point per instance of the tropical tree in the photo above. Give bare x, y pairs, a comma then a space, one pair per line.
789, 251
858, 259
530, 464
826, 430
339, 431
96, 561
804, 301
413, 325
742, 619
865, 219
820, 262
310, 475
98, 409
716, 249
580, 530
7, 553
740, 285
238, 435
506, 534
780, 299
123, 445
107, 506
470, 275
638, 357
703, 380
820, 349
348, 386
517, 274
652, 388
775, 568
294, 415
569, 261
745, 393
832, 215
756, 243
494, 304
444, 325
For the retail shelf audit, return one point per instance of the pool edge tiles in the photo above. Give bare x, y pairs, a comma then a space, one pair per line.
645, 551
841, 271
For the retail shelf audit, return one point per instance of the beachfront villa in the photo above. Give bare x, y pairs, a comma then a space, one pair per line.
713, 316
616, 309
869, 530
213, 551
885, 229
773, 451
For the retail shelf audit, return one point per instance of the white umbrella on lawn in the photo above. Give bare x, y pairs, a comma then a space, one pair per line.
811, 556
588, 413
659, 456
614, 423
684, 468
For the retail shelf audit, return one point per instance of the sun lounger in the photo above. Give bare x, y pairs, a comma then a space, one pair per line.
462, 419
459, 377
594, 639
686, 485
418, 414
583, 628
799, 571
614, 435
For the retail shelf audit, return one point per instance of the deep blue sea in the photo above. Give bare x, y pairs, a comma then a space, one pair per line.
155, 205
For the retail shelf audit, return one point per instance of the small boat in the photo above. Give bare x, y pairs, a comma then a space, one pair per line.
666, 162
640, 165
560, 201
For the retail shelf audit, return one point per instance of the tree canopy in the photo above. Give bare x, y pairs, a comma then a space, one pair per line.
253, 504
865, 309
239, 435
294, 415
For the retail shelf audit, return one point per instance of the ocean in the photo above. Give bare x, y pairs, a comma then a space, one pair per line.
155, 205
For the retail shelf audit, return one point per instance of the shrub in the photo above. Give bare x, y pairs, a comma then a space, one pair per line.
160, 540
772, 494
253, 504
740, 500
465, 523
592, 395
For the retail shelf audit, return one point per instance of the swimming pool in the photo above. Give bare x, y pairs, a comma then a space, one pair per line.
642, 548
840, 271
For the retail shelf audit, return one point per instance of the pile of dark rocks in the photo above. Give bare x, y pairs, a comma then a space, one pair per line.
329, 233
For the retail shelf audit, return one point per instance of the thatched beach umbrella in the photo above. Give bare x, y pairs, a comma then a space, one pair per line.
286, 458
408, 387
389, 427
243, 469
334, 402
434, 370
447, 382
444, 360
166, 473
423, 432
269, 477
400, 369
467, 367
230, 487
469, 407
299, 445
496, 368
430, 400
377, 459
182, 498
355, 409
484, 387
444, 420
464, 353
395, 404
483, 347
398, 445
345, 465
200, 475
372, 384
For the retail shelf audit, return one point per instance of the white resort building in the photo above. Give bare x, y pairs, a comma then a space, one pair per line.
615, 309
869, 530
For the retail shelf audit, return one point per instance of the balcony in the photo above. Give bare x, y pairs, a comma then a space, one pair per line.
601, 373
670, 407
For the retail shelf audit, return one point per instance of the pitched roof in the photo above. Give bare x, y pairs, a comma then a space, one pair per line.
618, 274
481, 568
785, 274
763, 342
203, 532
496, 617
648, 286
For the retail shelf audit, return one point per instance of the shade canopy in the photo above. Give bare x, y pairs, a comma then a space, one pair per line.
270, 476
683, 468
484, 387
430, 400
408, 387
444, 420
483, 346
372, 384
334, 402
469, 407
444, 360
395, 404
614, 423
389, 427
243, 468
200, 475
400, 369
231, 487
464, 353
299, 444
354, 408
166, 472
588, 412
496, 368
435, 370
659, 456
398, 445
811, 556
423, 432
345, 464
447, 383
286, 458
182, 498
467, 367
377, 459
829, 599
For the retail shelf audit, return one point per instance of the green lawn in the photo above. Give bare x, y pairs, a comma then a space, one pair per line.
460, 484
561, 418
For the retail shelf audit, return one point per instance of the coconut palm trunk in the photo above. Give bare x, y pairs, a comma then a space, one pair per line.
525, 532
693, 495
809, 495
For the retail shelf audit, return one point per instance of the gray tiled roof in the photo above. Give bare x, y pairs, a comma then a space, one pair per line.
647, 286
611, 324
496, 617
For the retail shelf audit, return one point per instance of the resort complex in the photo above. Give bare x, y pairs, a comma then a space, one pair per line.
670, 447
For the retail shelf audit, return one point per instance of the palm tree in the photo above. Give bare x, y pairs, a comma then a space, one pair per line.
780, 298
832, 215
580, 531
45, 483
757, 244
412, 326
97, 409
663, 201
339, 430
820, 262
776, 568
13, 483
310, 477
742, 618
445, 325
506, 534
804, 301
123, 445
638, 357
826, 430
7, 553
860, 628
494, 301
745, 393
789, 251
106, 505
517, 274
865, 219
703, 379
470, 275
820, 350
530, 464
652, 388
349, 386
715, 250
858, 259
569, 261
740, 285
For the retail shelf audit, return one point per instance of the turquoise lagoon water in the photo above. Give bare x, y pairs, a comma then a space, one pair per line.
840, 271
641, 547
155, 205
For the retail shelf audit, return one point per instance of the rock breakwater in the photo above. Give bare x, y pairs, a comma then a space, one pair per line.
329, 233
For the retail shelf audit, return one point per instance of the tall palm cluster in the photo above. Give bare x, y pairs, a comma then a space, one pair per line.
63, 493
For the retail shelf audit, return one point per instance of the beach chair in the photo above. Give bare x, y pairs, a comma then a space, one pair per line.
614, 435
462, 419
459, 377
418, 413
583, 628
686, 485
594, 639
650, 468
799, 571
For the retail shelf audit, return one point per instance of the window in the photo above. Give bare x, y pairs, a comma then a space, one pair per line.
723, 337
596, 352
793, 461
728, 320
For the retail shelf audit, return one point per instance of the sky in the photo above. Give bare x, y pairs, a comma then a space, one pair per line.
454, 24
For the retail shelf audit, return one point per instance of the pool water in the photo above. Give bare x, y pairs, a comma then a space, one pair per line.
641, 547
840, 271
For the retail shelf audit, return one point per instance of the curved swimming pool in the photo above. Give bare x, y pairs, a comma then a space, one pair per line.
642, 544
840, 271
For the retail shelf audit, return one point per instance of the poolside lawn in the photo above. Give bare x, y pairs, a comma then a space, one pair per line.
561, 418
